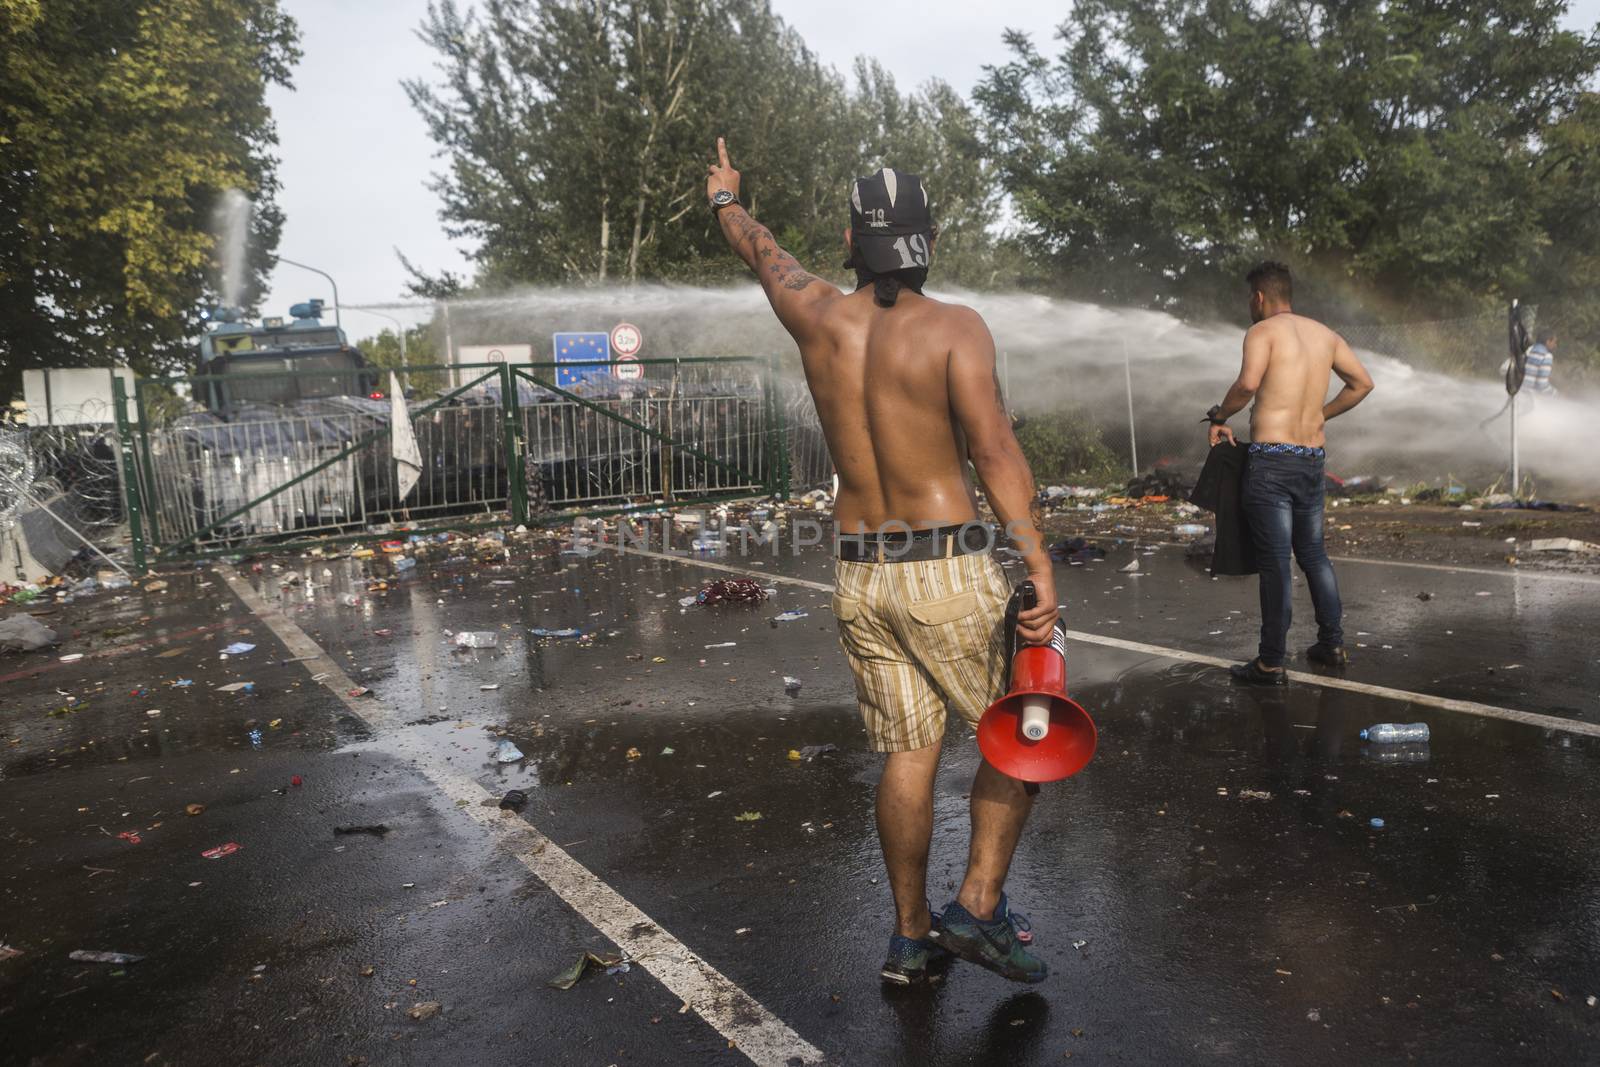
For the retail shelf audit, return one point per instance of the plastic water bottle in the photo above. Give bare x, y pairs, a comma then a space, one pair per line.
1388, 733
1191, 529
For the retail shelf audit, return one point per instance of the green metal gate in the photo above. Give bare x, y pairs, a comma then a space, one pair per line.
501, 443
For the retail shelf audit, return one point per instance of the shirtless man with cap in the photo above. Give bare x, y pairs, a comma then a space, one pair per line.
906, 389
1288, 362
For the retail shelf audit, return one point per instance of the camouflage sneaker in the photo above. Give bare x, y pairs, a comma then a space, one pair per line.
915, 959
996, 944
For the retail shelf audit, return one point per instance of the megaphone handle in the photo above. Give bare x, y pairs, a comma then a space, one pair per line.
1030, 595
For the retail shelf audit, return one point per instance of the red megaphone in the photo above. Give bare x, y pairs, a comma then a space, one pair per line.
1036, 733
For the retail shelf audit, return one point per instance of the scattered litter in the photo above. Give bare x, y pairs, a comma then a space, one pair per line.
72, 657
811, 752
1191, 529
1314, 1016
238, 648
377, 830
194, 809
791, 685
723, 644
1254, 794
477, 639
24, 633
255, 738
359, 691
540, 631
1130, 568
154, 713
713, 794
790, 616
1424, 596
425, 1010
488, 688
237, 687
727, 590
506, 752
297, 781
634, 753
8, 953
747, 816
1562, 544
514, 800
569, 977
1375, 822
131, 837
86, 956
1388, 733
222, 850
669, 750
794, 755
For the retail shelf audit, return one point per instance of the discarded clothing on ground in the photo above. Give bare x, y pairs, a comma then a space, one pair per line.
1220, 488
1076, 550
1162, 482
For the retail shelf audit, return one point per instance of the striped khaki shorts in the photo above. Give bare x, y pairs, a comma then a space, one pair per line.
923, 637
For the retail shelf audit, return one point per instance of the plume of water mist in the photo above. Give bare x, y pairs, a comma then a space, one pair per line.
231, 224
1418, 425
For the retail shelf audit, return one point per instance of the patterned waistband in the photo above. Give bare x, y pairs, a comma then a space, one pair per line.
1258, 448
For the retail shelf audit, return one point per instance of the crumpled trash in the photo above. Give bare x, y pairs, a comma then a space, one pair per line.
375, 830
237, 687
1562, 544
1130, 568
571, 631
791, 685
427, 1009
607, 963
222, 850
477, 639
87, 956
24, 633
811, 752
238, 648
790, 616
729, 590
506, 752
514, 800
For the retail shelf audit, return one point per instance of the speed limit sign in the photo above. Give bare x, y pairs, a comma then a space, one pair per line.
626, 340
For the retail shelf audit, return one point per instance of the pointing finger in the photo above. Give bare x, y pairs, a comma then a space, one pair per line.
722, 152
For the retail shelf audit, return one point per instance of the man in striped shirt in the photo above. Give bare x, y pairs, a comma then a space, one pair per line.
1541, 361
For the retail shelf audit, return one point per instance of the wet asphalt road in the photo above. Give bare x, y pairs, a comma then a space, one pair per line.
1210, 889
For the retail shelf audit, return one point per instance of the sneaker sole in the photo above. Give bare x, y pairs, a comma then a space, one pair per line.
972, 950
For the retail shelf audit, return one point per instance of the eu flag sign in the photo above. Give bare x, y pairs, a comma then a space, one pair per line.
580, 348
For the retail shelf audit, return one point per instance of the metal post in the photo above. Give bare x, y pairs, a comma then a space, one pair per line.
516, 447
449, 347
1127, 377
1516, 474
399, 329
131, 500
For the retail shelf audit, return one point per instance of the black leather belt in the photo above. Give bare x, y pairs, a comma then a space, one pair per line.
940, 542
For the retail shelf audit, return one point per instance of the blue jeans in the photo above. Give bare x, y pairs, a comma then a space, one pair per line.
1283, 497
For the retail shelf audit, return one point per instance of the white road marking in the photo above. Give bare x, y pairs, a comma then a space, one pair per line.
1326, 681
1485, 572
761, 1036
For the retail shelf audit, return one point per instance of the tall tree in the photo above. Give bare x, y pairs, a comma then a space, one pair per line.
121, 125
576, 132
1391, 146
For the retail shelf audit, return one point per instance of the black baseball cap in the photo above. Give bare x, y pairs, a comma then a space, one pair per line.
891, 227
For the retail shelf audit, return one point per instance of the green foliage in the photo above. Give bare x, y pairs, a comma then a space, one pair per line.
421, 350
1419, 159
120, 126
577, 134
1065, 448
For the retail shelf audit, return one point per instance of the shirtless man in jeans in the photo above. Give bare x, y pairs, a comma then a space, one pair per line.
1288, 361
906, 390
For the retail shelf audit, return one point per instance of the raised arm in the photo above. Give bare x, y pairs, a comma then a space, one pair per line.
794, 293
1357, 382
980, 411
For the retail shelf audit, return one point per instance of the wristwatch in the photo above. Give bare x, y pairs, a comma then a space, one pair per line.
721, 199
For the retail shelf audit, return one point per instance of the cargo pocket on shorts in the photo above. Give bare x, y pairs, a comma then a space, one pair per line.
848, 611
950, 627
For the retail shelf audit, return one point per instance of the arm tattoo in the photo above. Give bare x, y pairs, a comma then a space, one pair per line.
754, 242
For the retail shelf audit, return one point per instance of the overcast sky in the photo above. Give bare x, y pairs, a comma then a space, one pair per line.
356, 158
